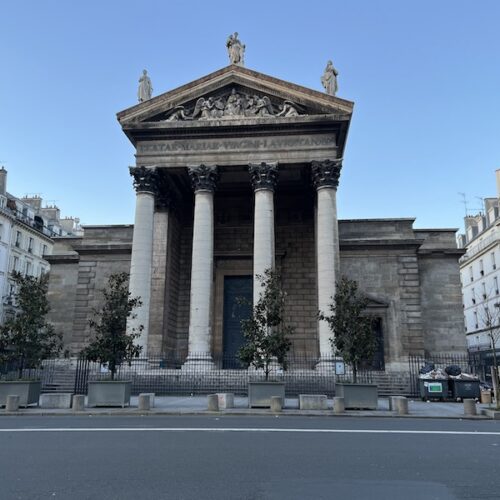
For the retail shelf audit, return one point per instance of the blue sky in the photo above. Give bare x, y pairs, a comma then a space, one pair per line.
425, 78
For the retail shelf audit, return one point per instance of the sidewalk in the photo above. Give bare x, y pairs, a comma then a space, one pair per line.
197, 405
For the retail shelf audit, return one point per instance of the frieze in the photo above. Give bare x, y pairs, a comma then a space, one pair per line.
233, 105
257, 143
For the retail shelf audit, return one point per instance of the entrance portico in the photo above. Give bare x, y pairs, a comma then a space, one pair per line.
244, 188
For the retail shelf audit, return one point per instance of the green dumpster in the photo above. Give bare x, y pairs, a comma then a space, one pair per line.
433, 389
465, 389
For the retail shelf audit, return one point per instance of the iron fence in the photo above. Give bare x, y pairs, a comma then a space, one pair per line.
171, 375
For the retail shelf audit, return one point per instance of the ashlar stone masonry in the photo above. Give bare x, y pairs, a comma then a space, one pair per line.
237, 172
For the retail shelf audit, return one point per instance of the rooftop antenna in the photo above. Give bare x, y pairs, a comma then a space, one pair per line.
464, 201
482, 202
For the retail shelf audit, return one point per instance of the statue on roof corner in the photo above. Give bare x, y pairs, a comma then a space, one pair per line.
236, 50
145, 90
329, 79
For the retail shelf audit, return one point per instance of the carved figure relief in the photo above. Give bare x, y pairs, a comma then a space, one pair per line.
235, 105
145, 90
235, 50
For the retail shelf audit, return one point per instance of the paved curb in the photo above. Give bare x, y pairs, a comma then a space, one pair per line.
244, 412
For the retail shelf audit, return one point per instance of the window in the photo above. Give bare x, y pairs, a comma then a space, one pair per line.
15, 264
44, 250
481, 268
475, 320
493, 261
18, 238
28, 268
473, 296
471, 274
495, 283
30, 245
483, 285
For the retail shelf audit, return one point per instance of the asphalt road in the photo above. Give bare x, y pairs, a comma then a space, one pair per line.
197, 457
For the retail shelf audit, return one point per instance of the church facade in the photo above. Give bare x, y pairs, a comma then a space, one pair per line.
235, 173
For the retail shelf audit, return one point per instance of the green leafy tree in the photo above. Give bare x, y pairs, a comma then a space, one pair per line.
112, 345
26, 339
265, 332
353, 337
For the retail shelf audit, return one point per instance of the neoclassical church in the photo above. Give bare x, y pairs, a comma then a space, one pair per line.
237, 172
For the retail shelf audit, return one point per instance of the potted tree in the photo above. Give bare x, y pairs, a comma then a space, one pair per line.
112, 344
353, 339
26, 339
266, 340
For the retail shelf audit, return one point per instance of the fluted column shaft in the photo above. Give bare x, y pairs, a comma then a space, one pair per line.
264, 177
145, 183
325, 178
203, 179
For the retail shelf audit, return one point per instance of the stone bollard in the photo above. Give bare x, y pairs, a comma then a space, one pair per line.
276, 404
213, 402
144, 402
470, 407
392, 403
338, 405
401, 404
78, 402
12, 403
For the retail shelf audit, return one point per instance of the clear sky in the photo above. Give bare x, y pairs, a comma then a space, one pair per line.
425, 78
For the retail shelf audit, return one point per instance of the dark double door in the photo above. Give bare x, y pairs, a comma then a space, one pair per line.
235, 289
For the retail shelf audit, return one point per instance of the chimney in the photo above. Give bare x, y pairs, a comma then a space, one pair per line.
3, 181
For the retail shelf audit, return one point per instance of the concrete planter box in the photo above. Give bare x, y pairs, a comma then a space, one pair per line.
109, 393
27, 390
260, 393
358, 396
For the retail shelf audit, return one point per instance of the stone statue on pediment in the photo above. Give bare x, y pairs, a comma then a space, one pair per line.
145, 90
236, 50
329, 79
288, 109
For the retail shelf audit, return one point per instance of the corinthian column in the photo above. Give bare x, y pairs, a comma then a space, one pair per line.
325, 176
145, 184
264, 177
203, 179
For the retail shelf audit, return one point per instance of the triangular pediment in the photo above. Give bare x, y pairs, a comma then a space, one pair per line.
233, 93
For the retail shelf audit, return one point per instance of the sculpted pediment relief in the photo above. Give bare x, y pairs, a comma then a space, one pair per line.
229, 105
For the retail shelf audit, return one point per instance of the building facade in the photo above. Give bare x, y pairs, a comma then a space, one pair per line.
235, 173
26, 239
480, 273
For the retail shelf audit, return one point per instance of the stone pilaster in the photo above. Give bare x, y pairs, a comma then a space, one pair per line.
325, 175
145, 183
264, 178
203, 179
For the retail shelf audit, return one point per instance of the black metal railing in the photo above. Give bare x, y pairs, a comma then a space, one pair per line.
170, 374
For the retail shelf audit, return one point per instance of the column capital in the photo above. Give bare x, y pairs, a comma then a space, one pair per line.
203, 177
145, 179
264, 175
326, 173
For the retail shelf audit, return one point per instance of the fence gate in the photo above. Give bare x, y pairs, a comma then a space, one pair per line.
82, 376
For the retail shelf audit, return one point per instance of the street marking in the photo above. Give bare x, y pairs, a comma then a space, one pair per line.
243, 429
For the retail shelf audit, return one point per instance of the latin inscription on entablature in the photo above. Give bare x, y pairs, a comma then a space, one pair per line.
237, 144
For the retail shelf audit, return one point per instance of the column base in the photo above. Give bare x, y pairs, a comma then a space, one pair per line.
199, 362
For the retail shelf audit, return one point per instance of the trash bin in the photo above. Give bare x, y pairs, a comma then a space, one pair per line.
465, 389
433, 389
486, 396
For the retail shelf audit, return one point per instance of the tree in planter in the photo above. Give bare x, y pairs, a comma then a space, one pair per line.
112, 344
26, 339
265, 332
353, 337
